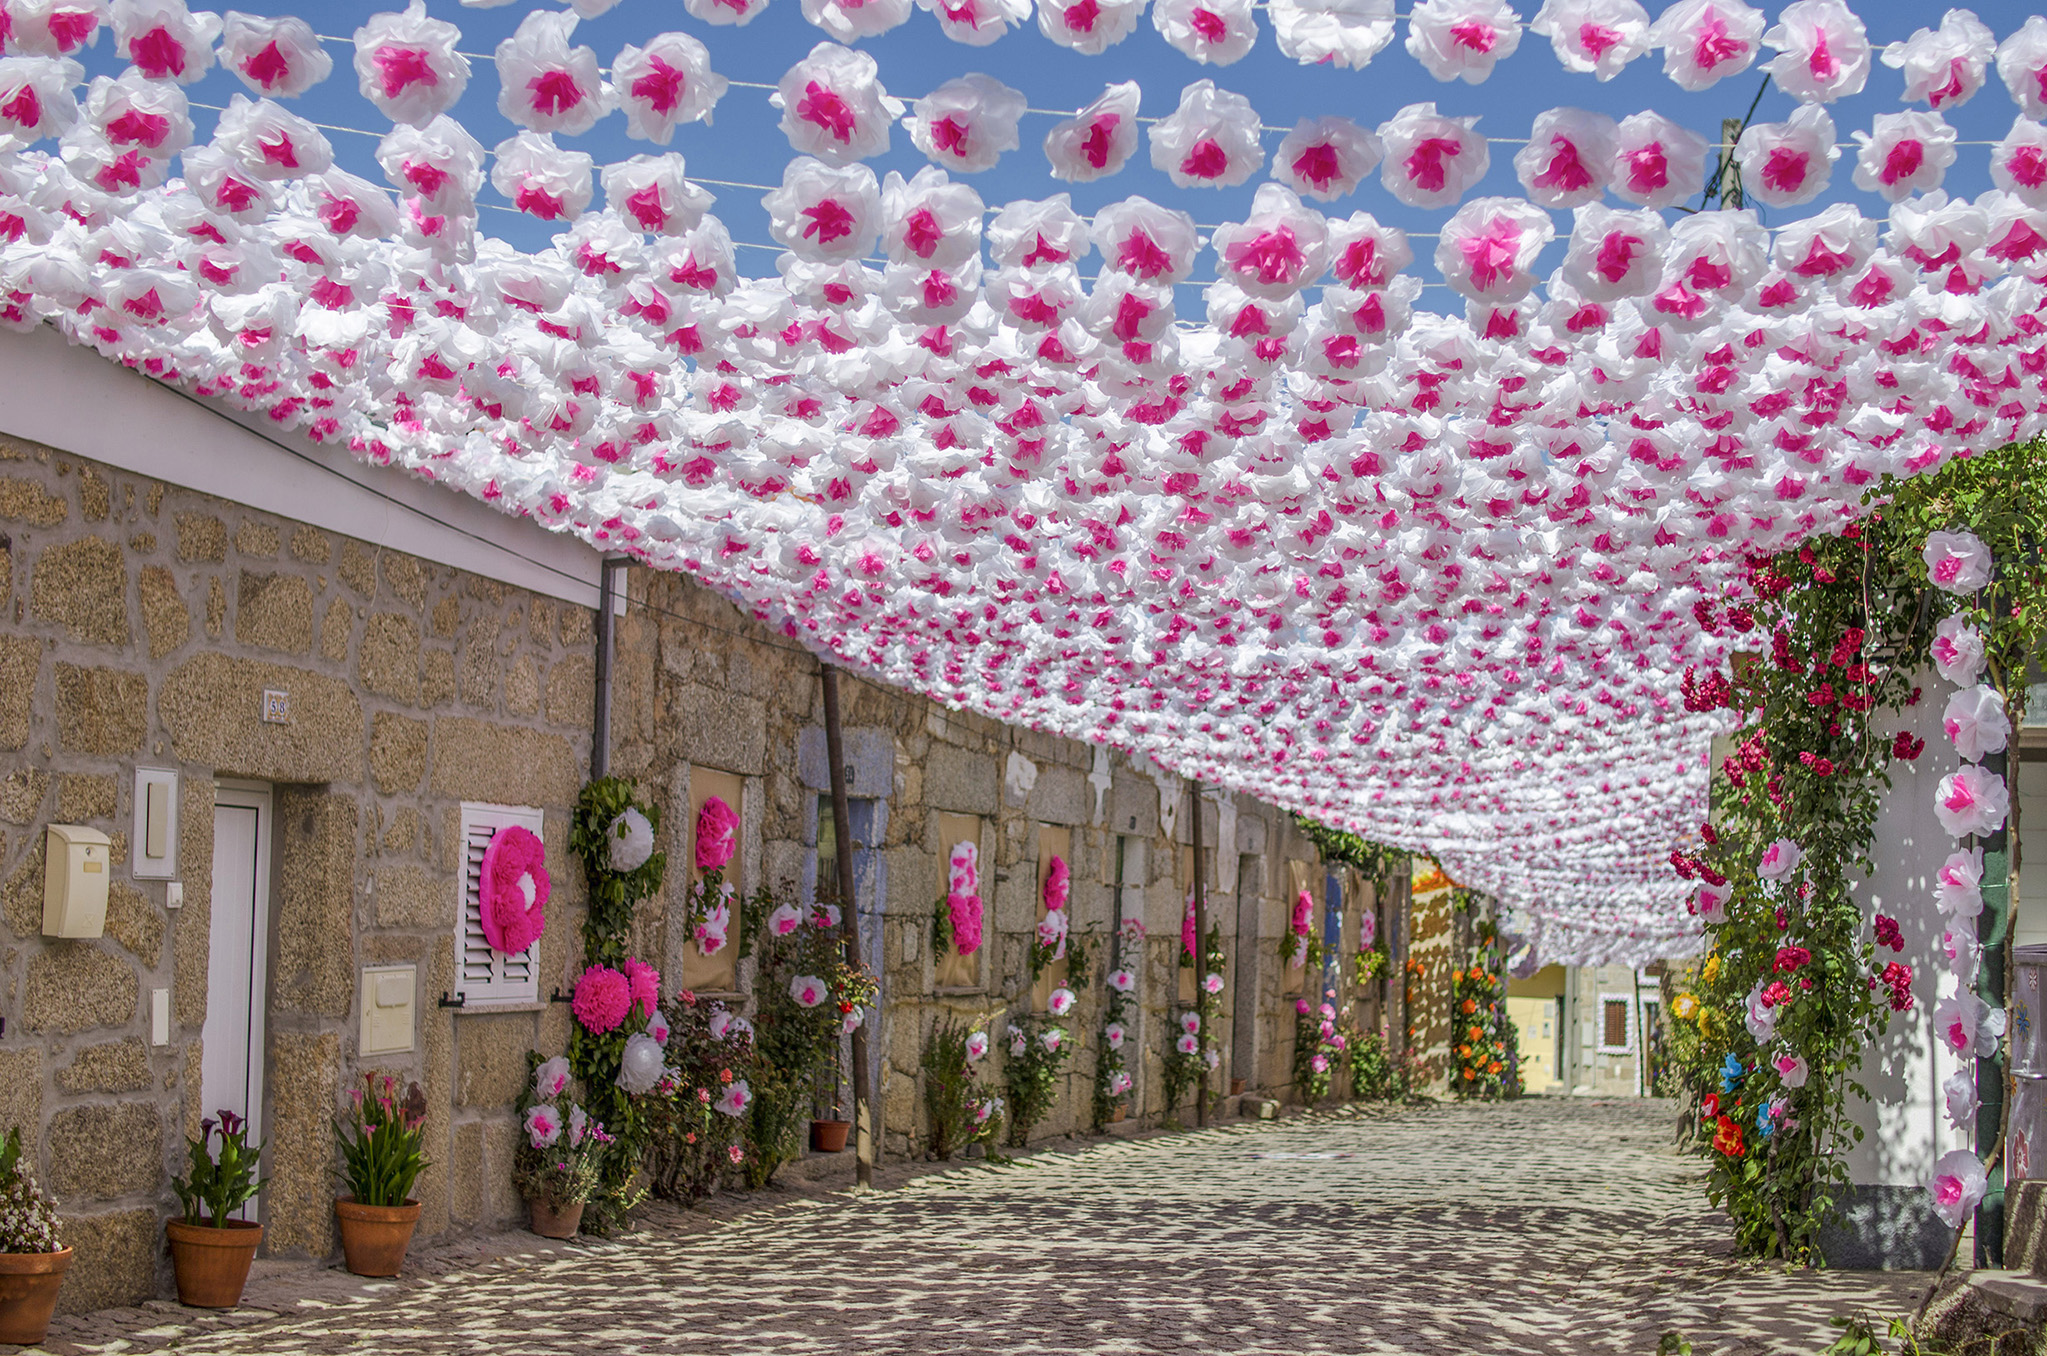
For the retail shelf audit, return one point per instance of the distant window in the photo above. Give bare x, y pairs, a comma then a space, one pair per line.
1613, 1024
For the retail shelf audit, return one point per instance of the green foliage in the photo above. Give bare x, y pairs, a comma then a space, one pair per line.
1483, 1037
961, 1114
1370, 965
216, 1183
382, 1141
1038, 1049
1373, 861
28, 1217
792, 1043
1673, 1343
1371, 1069
1316, 1051
691, 1146
612, 893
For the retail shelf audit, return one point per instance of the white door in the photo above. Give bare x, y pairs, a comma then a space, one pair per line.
231, 1069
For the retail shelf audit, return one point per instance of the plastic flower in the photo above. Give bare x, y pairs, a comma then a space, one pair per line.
1190, 1022
1957, 562
1060, 1002
1957, 1186
1970, 801
1976, 722
1958, 886
640, 1066
735, 1099
1779, 860
977, 1045
1212, 984
1122, 981
1791, 1069
717, 834
645, 982
657, 1027
632, 841
551, 1079
543, 1126
784, 920
1191, 1044
1727, 1138
1732, 1071
1113, 1033
602, 999
807, 990
1957, 650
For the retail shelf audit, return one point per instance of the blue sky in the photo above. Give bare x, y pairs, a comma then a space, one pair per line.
743, 144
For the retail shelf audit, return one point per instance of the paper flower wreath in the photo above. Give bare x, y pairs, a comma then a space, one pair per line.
513, 893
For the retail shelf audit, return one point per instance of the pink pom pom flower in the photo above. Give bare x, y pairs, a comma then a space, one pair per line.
644, 983
602, 1000
512, 897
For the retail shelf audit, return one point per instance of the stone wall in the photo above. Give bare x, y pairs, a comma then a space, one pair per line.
143, 623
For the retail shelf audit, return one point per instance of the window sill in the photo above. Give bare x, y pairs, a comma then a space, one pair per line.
526, 1005
946, 991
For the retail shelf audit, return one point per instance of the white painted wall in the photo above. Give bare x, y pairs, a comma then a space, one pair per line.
1905, 1127
72, 399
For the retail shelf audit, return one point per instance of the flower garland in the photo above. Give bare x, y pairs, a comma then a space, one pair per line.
956, 919
714, 904
609, 831
1112, 1071
1486, 1041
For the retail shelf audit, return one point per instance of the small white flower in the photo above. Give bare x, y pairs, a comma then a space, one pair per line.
1114, 1033
1060, 1003
977, 1045
1122, 981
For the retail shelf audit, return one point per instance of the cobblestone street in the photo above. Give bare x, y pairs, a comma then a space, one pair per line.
1544, 1226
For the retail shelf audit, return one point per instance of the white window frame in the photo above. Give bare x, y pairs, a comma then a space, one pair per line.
1627, 1004
486, 977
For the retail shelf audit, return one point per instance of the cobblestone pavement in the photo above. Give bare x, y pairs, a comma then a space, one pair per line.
1544, 1226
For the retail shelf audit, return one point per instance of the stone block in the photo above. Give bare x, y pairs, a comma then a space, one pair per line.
20, 659
490, 1057
256, 540
95, 495
388, 660
312, 937
522, 687
135, 922
120, 1066
437, 677
447, 616
1134, 806
465, 1174
304, 1082
718, 728
6, 570
1060, 796
202, 538
415, 898
502, 1203
1016, 902
82, 586
21, 795
26, 501
21, 1096
192, 927
165, 618
397, 753
437, 1039
572, 689
75, 986
958, 779
102, 711
102, 1151
479, 760
359, 567
22, 896
114, 1259
870, 753
212, 706
274, 612
84, 795
337, 625
216, 607
406, 577
312, 546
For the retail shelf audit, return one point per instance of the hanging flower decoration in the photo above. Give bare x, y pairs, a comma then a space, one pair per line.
408, 66
977, 22
967, 123
602, 1000
1213, 32
1597, 37
280, 58
1786, 164
544, 84
1462, 39
1210, 141
512, 890
852, 20
1822, 51
1089, 26
1431, 160
1325, 158
1568, 158
1656, 162
834, 107
1944, 67
665, 84
165, 40
1333, 32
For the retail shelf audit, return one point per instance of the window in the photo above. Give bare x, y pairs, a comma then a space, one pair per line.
486, 976
1613, 1025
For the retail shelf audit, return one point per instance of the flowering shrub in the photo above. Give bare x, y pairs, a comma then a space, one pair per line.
693, 1139
1112, 1071
560, 1161
1485, 1042
1318, 1045
381, 1142
961, 1112
1190, 1052
799, 986
28, 1217
1038, 1049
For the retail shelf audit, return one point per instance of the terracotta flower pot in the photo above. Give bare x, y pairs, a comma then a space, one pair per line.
551, 1223
374, 1237
829, 1137
29, 1282
1122, 1113
212, 1264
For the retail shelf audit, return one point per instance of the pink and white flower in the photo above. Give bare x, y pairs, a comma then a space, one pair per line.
1060, 1002
1052, 1037
543, 1126
1114, 1034
785, 920
1976, 722
1959, 1097
1779, 860
807, 990
1188, 1044
1190, 1022
1122, 981
977, 1045
1119, 1083
1958, 886
640, 1064
736, 1098
1957, 562
1957, 649
1711, 904
1212, 984
1967, 1026
1971, 800
1957, 1187
551, 1079
1791, 1068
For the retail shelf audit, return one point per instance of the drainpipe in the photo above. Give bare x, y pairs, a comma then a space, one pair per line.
600, 734
849, 922
1200, 951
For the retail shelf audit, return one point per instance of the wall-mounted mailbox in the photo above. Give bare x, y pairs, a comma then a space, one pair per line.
77, 864
387, 1009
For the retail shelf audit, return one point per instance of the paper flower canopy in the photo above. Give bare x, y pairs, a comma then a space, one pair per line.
512, 890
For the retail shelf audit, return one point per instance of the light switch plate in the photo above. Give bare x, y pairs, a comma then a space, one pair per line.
390, 996
153, 847
159, 1016
174, 895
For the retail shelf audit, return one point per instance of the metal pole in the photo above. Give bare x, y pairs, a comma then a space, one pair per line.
1200, 955
600, 734
1993, 929
849, 920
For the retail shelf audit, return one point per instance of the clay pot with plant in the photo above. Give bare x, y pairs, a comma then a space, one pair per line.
210, 1249
561, 1164
32, 1259
381, 1159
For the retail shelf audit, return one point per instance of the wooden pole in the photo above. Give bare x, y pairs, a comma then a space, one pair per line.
867, 1140
1200, 955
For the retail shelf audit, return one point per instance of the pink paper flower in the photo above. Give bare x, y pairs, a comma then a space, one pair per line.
1790, 1068
1957, 562
1188, 1044
551, 1079
717, 834
977, 1045
1122, 981
1304, 904
1057, 884
1971, 800
807, 990
543, 1126
512, 893
735, 1099
645, 983
965, 913
602, 999
1060, 1003
1779, 860
1957, 1186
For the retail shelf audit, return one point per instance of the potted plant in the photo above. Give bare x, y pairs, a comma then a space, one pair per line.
561, 1164
210, 1250
32, 1262
380, 1160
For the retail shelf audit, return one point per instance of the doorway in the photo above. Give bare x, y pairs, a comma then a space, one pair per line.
238, 952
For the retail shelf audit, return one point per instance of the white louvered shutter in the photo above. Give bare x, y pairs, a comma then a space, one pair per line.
484, 975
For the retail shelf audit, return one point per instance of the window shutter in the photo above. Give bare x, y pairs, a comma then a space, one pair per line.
484, 975
1615, 1011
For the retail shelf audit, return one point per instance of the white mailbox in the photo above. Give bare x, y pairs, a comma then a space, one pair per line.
387, 1009
77, 864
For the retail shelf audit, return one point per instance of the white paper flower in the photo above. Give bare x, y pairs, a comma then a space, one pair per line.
1656, 162
1188, 1044
1958, 886
735, 1099
1114, 1034
977, 1045
1213, 32
1964, 953
1967, 1026
834, 107
1365, 255
134, 113
36, 98
825, 214
1956, 562
1614, 254
640, 1065
1959, 1099
280, 57
1596, 36
1791, 1068
1704, 41
546, 85
852, 20
1190, 1022
165, 40
1336, 32
1786, 164
1711, 903
1060, 1002
1976, 722
54, 28
2022, 64
967, 123
807, 990
1210, 141
653, 194
1431, 160
1325, 158
1051, 1038
784, 920
1957, 1186
407, 65
1568, 158
1278, 249
1822, 51
1098, 140
1957, 649
1462, 39
1944, 67
543, 1126
1147, 241
541, 179
977, 22
1090, 27
657, 1027
631, 840
1488, 249
1760, 1017
665, 84
735, 12
1122, 981
1970, 801
929, 220
1212, 984
1779, 860
551, 1078
1904, 154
